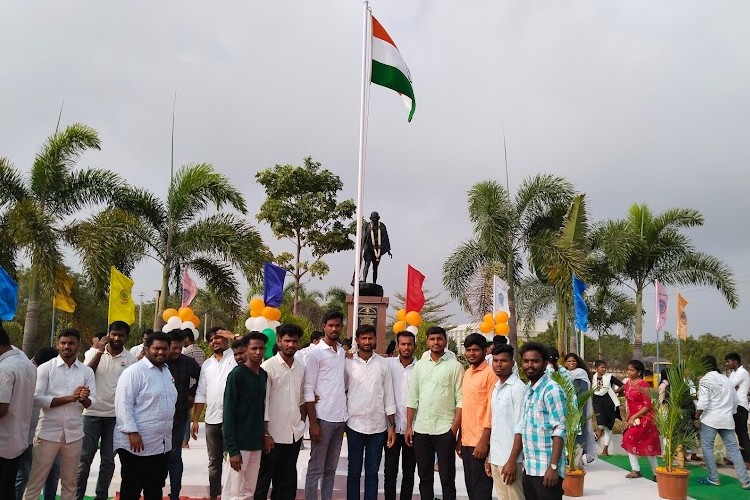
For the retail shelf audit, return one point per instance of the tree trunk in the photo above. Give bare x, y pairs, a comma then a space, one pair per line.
638, 336
512, 321
30, 334
163, 297
297, 275
561, 322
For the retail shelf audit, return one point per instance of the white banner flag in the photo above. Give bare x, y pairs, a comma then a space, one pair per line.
499, 295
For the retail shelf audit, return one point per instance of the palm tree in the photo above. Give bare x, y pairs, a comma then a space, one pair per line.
506, 231
336, 299
645, 247
38, 214
179, 233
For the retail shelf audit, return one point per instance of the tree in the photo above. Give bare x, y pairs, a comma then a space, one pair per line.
607, 309
176, 233
301, 205
38, 215
505, 234
645, 247
336, 299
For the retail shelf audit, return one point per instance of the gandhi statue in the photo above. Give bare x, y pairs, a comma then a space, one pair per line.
375, 244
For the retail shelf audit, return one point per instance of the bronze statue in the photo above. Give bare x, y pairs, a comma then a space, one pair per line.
375, 244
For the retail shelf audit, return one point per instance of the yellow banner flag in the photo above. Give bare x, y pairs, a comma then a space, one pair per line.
63, 300
121, 304
681, 317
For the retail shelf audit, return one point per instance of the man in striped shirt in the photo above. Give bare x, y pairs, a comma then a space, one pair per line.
542, 428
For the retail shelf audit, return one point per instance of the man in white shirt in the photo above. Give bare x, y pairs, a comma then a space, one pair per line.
324, 381
144, 404
17, 382
740, 379
505, 460
314, 341
210, 394
717, 403
64, 387
285, 416
108, 363
402, 368
137, 350
91, 351
372, 408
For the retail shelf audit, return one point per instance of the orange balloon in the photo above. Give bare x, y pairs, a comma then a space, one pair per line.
168, 313
501, 317
399, 326
488, 318
254, 313
257, 304
502, 329
276, 314
196, 321
185, 313
401, 315
485, 327
413, 318
267, 313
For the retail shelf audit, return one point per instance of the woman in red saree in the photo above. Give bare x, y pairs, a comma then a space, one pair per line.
640, 439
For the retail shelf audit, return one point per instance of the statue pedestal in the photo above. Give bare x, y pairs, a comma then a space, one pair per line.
372, 311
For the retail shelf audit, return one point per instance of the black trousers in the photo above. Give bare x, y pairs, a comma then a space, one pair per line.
145, 474
478, 483
280, 468
740, 428
425, 448
8, 471
534, 489
408, 466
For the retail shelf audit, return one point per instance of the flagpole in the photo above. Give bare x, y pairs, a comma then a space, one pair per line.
582, 354
52, 330
361, 171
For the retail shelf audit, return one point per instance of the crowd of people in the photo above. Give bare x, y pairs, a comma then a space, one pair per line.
505, 421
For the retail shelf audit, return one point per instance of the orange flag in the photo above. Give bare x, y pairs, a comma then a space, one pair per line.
681, 317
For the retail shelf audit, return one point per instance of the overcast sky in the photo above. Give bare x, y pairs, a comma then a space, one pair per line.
636, 101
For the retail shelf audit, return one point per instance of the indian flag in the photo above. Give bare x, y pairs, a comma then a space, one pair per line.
388, 67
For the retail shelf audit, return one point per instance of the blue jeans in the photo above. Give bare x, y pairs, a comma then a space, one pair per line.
371, 446
22, 478
708, 434
175, 460
98, 433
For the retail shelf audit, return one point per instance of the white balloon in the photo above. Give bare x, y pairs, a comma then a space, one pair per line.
249, 322
413, 329
167, 328
196, 334
187, 325
261, 324
174, 322
273, 324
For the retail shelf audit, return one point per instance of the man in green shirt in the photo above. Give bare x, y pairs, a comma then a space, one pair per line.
433, 415
245, 432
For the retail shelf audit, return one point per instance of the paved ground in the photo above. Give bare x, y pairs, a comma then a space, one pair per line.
603, 481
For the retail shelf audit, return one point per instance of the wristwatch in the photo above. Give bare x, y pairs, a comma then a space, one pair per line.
553, 466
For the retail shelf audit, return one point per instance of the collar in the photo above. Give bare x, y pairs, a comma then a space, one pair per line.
149, 364
410, 365
59, 361
123, 353
513, 379
323, 345
278, 359
444, 357
540, 383
364, 361
479, 368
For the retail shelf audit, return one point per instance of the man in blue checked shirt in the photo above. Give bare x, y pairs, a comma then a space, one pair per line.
542, 428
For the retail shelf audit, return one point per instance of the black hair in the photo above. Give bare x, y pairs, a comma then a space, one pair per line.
599, 362
476, 339
534, 346
240, 342
147, 332
70, 332
189, 334
552, 354
580, 363
119, 325
176, 336
99, 335
275, 349
733, 356
710, 362
391, 348
316, 335
503, 348
4, 337
289, 329
361, 329
154, 337
499, 339
433, 330
211, 332
346, 343
406, 333
637, 366
44, 354
333, 314
255, 336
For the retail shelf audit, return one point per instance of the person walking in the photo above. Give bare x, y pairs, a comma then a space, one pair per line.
64, 388
505, 460
245, 432
325, 399
605, 403
542, 427
402, 369
210, 394
740, 379
184, 370
285, 417
473, 442
717, 404
640, 438
17, 384
371, 408
108, 362
433, 415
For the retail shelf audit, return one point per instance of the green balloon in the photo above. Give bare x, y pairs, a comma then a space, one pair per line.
271, 334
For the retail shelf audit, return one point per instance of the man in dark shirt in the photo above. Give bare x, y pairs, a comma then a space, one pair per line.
245, 432
183, 368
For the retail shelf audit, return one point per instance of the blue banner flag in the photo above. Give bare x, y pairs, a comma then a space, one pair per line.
273, 284
8, 296
581, 309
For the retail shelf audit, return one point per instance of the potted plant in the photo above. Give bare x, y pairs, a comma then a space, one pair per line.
575, 419
673, 420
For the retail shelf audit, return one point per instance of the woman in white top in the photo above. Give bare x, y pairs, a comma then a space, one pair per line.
605, 402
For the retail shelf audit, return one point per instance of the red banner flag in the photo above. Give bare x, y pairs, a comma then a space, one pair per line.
414, 293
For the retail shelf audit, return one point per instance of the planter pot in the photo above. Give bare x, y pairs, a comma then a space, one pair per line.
573, 483
672, 485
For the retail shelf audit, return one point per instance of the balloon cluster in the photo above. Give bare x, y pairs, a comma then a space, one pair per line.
498, 323
263, 319
182, 319
408, 321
